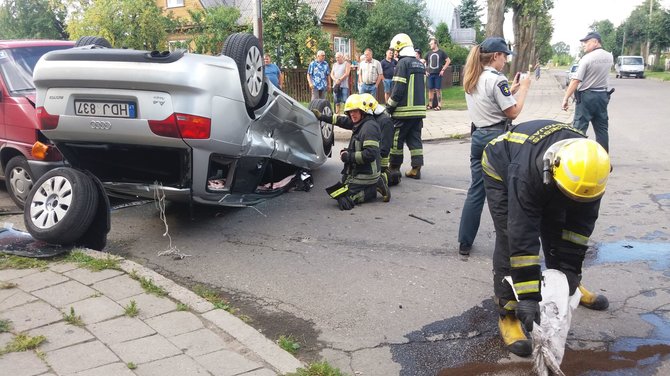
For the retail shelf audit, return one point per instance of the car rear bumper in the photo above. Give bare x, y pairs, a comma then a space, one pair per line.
39, 168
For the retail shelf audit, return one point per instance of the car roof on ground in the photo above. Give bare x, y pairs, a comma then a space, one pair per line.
34, 43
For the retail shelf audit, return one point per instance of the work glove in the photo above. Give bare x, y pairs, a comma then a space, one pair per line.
528, 311
344, 156
345, 202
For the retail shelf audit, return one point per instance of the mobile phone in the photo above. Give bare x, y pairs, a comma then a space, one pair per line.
517, 76
524, 75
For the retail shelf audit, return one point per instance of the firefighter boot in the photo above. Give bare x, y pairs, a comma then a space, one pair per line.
383, 188
394, 175
593, 301
414, 173
513, 335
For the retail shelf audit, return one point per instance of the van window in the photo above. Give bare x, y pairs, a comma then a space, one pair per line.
633, 61
17, 64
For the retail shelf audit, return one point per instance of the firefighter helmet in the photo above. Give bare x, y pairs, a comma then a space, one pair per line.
580, 168
401, 41
355, 102
369, 102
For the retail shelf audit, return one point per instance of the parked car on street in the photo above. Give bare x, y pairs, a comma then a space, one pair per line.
18, 124
199, 129
629, 66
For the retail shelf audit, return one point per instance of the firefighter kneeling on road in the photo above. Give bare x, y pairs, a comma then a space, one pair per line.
381, 117
361, 176
543, 182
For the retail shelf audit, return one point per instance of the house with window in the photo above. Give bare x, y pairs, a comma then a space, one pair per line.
445, 11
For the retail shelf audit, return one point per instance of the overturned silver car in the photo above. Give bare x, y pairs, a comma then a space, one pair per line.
206, 129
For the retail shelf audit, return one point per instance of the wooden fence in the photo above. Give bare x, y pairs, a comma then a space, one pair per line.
296, 85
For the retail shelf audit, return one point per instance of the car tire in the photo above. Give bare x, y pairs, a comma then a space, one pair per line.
61, 206
248, 55
327, 133
19, 180
96, 41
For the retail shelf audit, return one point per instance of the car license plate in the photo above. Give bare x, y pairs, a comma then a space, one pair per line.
105, 109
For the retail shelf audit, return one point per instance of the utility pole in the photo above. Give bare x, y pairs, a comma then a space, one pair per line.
623, 42
651, 3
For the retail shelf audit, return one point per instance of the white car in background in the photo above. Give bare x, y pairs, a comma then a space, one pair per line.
570, 73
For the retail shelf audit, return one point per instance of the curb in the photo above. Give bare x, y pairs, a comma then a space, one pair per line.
267, 350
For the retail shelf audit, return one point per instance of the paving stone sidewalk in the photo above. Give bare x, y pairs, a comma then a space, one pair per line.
542, 102
161, 340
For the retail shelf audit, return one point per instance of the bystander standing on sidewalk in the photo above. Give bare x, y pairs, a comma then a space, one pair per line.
339, 75
437, 62
318, 76
388, 67
370, 73
491, 106
273, 72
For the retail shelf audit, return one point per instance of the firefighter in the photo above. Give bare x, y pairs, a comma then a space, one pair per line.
543, 182
381, 116
407, 106
361, 175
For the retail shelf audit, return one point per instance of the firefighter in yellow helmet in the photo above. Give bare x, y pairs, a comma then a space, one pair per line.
407, 106
361, 175
543, 182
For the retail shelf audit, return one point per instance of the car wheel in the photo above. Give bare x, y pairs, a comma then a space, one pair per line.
97, 41
19, 180
61, 206
248, 55
327, 134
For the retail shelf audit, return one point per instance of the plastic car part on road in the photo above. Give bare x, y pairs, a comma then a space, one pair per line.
61, 206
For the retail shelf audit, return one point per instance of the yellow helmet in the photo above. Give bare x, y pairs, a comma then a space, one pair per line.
401, 41
369, 102
354, 102
580, 168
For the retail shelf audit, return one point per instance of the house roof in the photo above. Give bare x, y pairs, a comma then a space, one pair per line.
442, 11
246, 7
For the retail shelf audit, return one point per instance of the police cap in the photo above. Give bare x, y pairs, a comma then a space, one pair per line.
495, 44
591, 35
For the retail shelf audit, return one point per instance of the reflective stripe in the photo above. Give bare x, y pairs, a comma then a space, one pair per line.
522, 261
358, 156
518, 138
499, 138
371, 143
488, 170
339, 192
402, 114
510, 305
410, 94
527, 287
364, 179
385, 162
395, 150
400, 79
391, 103
574, 237
416, 152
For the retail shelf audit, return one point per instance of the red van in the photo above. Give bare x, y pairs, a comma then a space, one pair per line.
18, 123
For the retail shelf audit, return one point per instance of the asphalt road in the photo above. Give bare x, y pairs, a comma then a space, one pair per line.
376, 291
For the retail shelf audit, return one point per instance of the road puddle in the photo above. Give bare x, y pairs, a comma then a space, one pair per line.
657, 254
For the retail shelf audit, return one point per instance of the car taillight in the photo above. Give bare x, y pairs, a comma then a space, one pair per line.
194, 127
45, 119
182, 125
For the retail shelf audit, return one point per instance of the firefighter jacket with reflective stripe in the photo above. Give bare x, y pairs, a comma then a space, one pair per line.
386, 128
408, 97
362, 165
513, 168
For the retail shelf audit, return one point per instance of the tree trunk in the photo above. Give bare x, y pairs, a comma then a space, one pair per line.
525, 29
496, 18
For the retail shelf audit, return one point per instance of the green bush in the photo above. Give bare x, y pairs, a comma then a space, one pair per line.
457, 54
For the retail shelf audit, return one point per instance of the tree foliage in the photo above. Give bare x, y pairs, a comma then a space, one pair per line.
209, 27
442, 34
374, 27
32, 19
135, 24
561, 48
470, 13
607, 32
291, 34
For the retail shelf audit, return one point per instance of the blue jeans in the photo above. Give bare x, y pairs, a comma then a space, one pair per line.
474, 202
369, 88
344, 93
388, 82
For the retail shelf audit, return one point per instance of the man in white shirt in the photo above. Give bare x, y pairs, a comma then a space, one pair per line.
371, 73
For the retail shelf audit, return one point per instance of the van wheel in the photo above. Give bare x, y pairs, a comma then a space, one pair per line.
248, 55
96, 41
19, 180
61, 206
327, 134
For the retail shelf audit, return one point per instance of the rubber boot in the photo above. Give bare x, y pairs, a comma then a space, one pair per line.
383, 188
394, 175
513, 336
593, 301
414, 173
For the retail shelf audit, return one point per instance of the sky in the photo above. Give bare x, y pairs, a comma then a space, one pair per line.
572, 18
